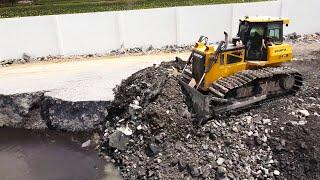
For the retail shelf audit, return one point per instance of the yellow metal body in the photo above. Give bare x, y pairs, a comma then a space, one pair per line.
276, 55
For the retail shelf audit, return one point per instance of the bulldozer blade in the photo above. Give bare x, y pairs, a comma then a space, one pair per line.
236, 105
200, 102
203, 109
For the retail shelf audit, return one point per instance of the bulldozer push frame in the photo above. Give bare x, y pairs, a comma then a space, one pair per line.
250, 70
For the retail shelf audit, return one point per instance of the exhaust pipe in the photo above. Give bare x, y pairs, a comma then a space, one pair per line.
226, 39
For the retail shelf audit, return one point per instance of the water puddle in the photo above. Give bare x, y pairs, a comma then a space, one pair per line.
33, 155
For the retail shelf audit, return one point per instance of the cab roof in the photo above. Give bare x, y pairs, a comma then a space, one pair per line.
265, 19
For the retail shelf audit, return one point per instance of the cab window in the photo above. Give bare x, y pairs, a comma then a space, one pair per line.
275, 32
243, 29
256, 31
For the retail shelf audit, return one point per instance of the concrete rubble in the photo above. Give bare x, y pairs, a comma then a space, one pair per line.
294, 37
86, 144
254, 144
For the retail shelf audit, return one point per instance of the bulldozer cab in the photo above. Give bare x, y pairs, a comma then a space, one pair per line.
257, 34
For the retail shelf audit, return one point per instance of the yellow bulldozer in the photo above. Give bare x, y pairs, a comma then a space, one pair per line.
231, 76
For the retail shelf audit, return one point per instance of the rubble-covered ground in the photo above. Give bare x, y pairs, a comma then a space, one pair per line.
296, 127
29, 58
150, 132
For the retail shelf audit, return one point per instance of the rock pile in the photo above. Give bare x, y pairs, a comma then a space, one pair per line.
148, 117
294, 37
150, 134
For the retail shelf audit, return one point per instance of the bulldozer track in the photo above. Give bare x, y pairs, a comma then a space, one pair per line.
223, 86
251, 106
242, 90
226, 88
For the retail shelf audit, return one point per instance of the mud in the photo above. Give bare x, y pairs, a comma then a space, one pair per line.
33, 155
153, 122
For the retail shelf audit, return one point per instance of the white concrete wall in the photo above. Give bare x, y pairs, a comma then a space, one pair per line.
156, 27
100, 32
304, 15
210, 21
34, 35
88, 33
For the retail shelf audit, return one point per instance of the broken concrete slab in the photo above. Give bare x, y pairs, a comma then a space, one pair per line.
73, 116
118, 140
37, 111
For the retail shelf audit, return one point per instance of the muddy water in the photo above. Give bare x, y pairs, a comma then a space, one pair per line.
49, 155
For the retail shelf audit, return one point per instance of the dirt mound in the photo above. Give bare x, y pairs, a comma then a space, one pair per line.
151, 104
151, 134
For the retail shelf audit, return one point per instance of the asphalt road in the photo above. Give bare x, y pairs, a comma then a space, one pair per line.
85, 80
